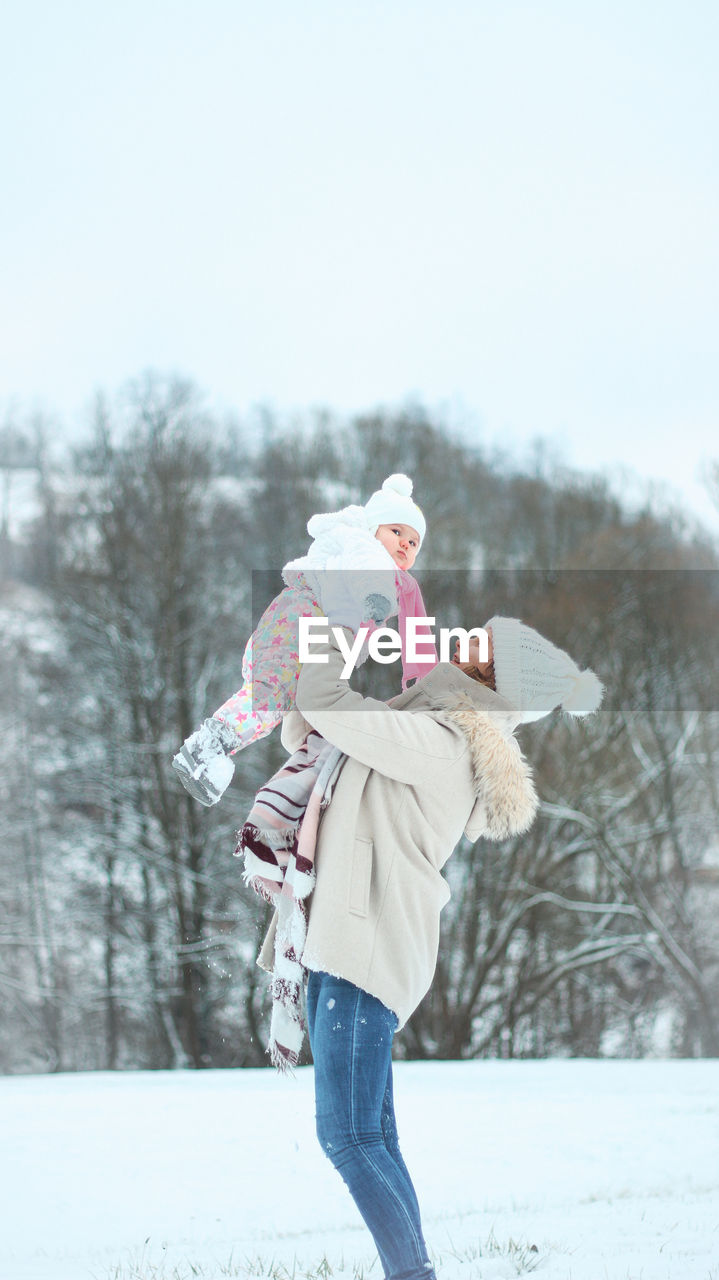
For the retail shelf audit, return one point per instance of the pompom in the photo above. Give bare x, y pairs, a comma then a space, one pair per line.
585, 696
398, 484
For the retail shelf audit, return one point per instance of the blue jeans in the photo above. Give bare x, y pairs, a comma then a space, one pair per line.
351, 1038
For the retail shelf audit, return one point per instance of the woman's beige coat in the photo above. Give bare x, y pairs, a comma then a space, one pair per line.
438, 761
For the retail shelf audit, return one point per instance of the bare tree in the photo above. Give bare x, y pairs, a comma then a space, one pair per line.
129, 939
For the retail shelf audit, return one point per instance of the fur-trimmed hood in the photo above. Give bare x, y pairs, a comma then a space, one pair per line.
507, 802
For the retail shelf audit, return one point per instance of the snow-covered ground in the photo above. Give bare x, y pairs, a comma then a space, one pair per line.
611, 1169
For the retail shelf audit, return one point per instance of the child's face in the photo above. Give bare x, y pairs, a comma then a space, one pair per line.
402, 542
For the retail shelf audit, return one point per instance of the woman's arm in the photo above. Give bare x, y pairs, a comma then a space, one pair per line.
412, 747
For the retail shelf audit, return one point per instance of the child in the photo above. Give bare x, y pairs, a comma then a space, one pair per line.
356, 569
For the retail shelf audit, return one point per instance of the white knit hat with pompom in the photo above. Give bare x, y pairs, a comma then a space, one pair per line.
394, 502
535, 676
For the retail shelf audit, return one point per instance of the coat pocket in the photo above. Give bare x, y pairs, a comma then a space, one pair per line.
360, 877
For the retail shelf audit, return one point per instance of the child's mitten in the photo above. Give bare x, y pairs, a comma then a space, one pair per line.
203, 761
376, 608
350, 598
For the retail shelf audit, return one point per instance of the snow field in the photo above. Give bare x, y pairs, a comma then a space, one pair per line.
611, 1169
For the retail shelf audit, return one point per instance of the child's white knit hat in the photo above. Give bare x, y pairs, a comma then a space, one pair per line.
394, 502
535, 676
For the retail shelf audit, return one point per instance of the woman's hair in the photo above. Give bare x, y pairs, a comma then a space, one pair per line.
485, 677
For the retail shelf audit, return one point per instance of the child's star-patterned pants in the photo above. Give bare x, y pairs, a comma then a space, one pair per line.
270, 667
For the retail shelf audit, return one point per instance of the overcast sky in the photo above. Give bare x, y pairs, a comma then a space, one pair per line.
507, 208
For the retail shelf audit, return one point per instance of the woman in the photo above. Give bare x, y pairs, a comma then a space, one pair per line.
437, 762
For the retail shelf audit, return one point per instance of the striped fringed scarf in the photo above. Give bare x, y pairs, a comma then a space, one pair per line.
278, 845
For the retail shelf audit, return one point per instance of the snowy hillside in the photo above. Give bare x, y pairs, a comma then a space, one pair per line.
610, 1169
